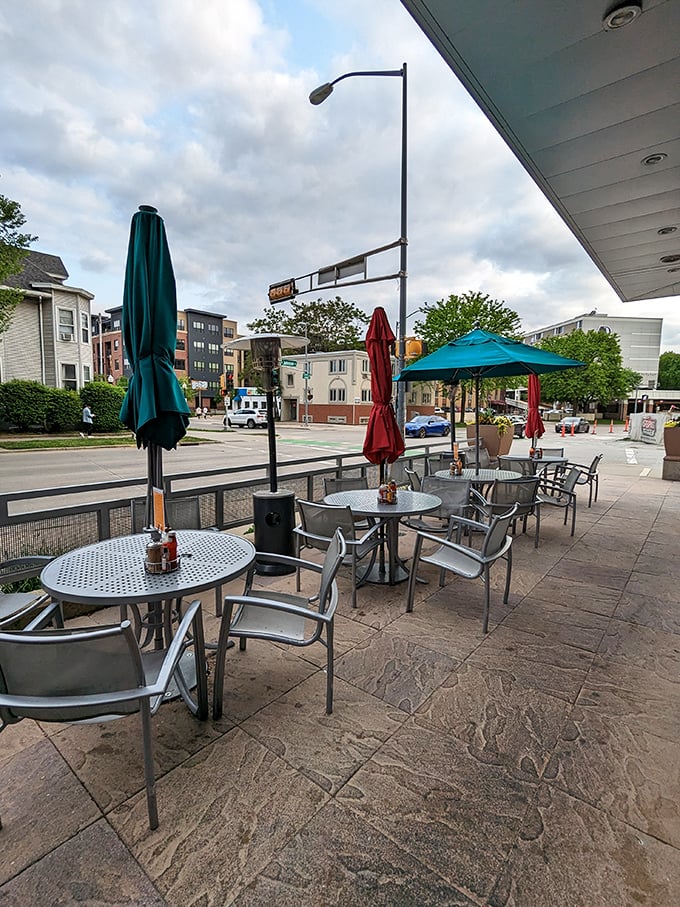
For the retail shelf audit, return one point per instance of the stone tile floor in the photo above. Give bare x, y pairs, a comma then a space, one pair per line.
539, 765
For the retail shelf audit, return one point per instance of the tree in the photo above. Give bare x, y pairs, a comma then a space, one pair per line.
451, 318
601, 380
13, 249
669, 371
331, 325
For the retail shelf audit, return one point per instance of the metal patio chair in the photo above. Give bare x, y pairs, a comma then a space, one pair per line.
18, 606
466, 561
522, 492
90, 674
283, 618
561, 493
589, 476
458, 498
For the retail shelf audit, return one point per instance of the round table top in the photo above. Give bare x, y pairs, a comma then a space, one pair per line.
112, 571
482, 475
549, 460
364, 502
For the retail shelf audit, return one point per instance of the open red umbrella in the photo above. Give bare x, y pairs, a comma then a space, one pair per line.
383, 442
534, 428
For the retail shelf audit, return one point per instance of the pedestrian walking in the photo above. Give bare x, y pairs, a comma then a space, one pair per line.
205, 412
87, 420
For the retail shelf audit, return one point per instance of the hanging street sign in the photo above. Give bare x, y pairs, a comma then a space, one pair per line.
291, 363
306, 375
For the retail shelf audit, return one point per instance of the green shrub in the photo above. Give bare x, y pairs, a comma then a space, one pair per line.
24, 403
64, 410
105, 401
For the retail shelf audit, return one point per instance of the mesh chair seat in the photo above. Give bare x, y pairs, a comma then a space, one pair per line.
520, 492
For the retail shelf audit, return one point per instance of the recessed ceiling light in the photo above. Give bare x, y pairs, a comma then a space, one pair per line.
655, 158
664, 231
670, 259
621, 16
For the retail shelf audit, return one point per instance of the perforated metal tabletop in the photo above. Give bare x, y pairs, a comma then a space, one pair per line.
112, 571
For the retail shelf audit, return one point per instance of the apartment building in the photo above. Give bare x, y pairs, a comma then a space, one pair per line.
640, 339
200, 354
49, 336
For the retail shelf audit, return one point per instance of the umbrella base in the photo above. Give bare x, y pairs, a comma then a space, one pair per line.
381, 575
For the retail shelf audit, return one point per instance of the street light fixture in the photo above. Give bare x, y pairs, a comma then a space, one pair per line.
318, 96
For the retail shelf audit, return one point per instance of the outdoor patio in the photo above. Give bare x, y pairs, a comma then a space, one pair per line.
539, 765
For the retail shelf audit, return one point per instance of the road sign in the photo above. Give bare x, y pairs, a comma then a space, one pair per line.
306, 375
291, 363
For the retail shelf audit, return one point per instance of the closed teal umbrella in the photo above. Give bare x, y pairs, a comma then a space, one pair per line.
154, 407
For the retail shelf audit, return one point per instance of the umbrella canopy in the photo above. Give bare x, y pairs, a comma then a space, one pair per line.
154, 407
383, 442
534, 427
482, 354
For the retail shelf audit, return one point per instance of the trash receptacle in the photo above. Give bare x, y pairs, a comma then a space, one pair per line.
274, 516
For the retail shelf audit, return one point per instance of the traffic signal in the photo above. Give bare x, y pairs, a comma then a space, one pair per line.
223, 383
229, 382
276, 378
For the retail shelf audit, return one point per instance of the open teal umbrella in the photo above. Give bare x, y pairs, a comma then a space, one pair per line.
154, 407
481, 354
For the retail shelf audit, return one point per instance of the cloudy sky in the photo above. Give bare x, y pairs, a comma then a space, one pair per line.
200, 108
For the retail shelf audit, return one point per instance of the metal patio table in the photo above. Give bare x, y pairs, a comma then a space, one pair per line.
538, 462
481, 476
112, 572
365, 503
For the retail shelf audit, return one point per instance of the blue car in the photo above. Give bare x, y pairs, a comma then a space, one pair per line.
427, 426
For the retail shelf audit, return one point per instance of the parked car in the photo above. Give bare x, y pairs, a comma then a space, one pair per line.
580, 425
518, 426
426, 426
246, 417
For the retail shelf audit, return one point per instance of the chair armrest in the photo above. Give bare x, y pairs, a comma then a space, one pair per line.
455, 546
175, 650
287, 559
19, 568
47, 615
273, 605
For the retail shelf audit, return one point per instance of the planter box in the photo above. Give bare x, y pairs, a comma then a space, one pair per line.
496, 444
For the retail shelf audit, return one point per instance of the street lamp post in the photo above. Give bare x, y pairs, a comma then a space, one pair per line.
318, 96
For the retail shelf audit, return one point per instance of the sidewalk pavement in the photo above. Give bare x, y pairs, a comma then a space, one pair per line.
537, 766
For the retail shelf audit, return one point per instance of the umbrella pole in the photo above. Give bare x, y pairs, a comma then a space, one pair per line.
154, 479
477, 422
271, 431
452, 413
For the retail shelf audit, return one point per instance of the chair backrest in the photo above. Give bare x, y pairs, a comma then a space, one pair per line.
335, 554
472, 454
67, 669
495, 539
22, 568
553, 451
437, 462
570, 479
413, 478
181, 513
344, 483
398, 471
323, 520
592, 469
521, 465
505, 493
454, 494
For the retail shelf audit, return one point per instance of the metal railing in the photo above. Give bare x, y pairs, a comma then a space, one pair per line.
44, 521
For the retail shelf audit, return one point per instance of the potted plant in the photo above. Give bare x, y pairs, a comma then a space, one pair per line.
495, 431
671, 437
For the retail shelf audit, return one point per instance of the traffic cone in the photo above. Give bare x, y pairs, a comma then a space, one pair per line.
611, 427
572, 429
563, 431
594, 426
625, 427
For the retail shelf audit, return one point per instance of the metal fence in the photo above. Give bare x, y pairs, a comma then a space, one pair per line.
45, 521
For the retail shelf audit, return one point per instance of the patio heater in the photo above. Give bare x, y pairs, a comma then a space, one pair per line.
273, 510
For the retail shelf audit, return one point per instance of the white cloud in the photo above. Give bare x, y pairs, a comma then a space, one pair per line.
201, 109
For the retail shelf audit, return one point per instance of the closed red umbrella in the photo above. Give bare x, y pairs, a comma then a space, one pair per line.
534, 428
383, 442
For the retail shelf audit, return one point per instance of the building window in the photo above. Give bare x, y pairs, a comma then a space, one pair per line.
229, 353
180, 324
337, 394
116, 364
290, 379
579, 325
213, 328
85, 328
214, 367
366, 395
199, 364
86, 374
198, 325
427, 398
181, 345
228, 332
214, 348
66, 327
68, 377
337, 366
181, 364
199, 345
116, 344
365, 367
116, 325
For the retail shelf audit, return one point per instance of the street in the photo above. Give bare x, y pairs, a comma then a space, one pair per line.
36, 469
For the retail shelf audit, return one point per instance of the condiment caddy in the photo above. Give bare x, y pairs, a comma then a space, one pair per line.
387, 492
161, 552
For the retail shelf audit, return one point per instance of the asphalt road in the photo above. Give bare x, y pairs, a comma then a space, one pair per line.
24, 470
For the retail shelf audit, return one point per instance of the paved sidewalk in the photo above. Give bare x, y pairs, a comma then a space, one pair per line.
538, 766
